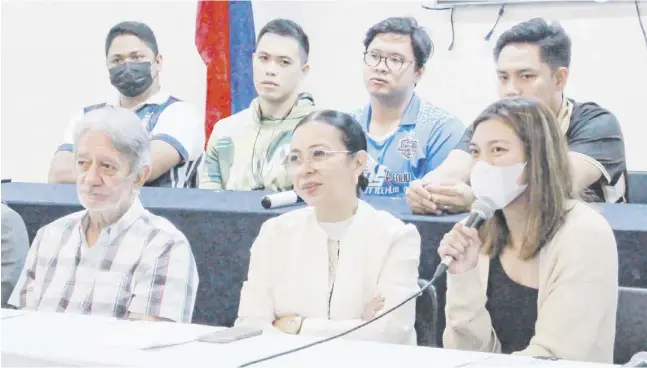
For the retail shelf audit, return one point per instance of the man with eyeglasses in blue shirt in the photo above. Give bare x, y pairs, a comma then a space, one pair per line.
407, 137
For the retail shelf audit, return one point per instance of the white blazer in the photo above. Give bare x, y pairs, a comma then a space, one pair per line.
288, 274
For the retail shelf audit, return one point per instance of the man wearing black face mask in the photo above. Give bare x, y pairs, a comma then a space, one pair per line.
176, 131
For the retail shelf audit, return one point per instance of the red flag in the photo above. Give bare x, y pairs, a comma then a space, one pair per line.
212, 41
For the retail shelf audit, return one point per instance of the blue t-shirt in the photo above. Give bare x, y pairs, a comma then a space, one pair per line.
423, 140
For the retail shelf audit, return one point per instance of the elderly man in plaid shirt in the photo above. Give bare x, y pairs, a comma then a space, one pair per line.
114, 258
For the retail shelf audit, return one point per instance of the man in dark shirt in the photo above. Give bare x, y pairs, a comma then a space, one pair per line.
532, 59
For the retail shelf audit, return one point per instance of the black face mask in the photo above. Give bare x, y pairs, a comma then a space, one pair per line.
132, 78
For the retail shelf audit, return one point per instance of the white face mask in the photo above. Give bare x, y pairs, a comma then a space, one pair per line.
497, 184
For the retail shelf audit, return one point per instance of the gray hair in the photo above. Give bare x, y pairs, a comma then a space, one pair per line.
125, 130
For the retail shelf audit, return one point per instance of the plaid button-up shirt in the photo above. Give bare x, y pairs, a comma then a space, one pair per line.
141, 264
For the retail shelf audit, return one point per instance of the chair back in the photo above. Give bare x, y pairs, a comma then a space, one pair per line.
637, 187
631, 324
426, 315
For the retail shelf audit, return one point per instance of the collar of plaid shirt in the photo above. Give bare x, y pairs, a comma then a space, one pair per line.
134, 212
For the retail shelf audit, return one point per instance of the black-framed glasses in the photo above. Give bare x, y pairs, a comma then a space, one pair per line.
394, 63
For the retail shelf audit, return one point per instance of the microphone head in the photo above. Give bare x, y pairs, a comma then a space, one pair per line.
484, 208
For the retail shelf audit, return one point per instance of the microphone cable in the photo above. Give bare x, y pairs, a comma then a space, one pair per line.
440, 270
640, 22
452, 9
498, 18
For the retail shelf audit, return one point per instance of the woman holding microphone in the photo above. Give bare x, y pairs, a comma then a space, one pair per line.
540, 278
328, 267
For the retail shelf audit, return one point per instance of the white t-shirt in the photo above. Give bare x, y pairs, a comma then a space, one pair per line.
335, 231
178, 124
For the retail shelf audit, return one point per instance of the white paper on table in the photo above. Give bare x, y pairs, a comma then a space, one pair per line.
148, 335
504, 360
9, 313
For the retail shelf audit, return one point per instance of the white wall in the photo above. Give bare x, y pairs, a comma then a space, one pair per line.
609, 63
53, 62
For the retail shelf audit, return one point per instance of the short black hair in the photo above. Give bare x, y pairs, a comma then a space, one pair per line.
353, 135
287, 28
554, 43
421, 43
137, 29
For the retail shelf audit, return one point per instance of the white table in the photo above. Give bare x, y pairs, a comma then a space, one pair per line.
55, 339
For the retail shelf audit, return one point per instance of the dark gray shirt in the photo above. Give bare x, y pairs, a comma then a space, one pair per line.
594, 132
512, 307
15, 244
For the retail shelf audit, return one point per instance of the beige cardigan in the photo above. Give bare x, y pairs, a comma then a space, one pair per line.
288, 274
577, 297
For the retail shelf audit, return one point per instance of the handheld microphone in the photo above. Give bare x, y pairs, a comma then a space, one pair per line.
280, 199
481, 211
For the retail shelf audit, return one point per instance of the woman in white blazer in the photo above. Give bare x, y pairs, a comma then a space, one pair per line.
338, 262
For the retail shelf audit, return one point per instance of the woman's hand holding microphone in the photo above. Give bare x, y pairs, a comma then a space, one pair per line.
463, 244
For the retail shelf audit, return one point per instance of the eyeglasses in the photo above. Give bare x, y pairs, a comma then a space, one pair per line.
393, 63
294, 159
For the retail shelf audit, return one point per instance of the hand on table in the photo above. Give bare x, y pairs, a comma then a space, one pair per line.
370, 311
451, 195
419, 199
283, 323
438, 196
